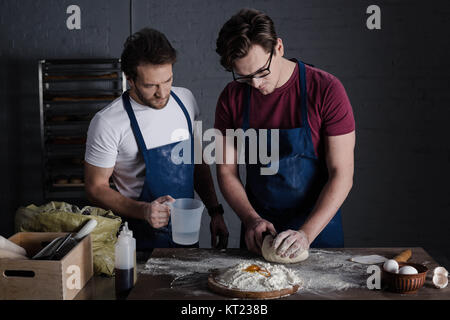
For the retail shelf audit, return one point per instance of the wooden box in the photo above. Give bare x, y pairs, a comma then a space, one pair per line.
44, 279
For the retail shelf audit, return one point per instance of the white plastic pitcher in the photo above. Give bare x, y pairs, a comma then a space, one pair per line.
186, 216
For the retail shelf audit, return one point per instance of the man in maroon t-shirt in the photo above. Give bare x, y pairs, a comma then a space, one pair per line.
302, 201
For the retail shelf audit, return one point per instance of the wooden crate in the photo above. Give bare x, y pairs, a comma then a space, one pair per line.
42, 279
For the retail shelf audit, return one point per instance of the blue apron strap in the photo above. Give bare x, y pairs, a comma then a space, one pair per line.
183, 108
135, 126
189, 122
246, 120
304, 97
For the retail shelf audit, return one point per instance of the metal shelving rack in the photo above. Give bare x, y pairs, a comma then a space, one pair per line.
71, 91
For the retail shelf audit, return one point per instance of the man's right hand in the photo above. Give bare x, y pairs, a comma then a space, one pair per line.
157, 213
254, 231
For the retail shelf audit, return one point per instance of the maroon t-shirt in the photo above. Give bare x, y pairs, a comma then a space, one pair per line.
329, 109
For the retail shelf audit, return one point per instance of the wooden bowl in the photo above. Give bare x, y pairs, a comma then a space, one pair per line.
405, 283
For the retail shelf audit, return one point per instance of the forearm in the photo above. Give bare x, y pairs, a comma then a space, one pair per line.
330, 200
234, 192
204, 185
107, 198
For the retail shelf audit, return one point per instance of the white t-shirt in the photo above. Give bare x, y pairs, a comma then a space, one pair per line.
111, 142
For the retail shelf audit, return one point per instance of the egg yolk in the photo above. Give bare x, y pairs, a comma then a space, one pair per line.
254, 268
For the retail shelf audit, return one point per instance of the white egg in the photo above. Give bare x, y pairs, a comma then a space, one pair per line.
391, 266
441, 271
408, 270
440, 281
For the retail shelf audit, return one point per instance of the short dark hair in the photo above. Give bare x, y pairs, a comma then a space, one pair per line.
246, 28
143, 47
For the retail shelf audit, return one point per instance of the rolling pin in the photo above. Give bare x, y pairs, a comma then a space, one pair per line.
403, 256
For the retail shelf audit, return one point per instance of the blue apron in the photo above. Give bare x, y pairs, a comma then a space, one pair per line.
162, 177
286, 198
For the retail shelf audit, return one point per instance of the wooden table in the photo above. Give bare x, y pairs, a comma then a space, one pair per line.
158, 287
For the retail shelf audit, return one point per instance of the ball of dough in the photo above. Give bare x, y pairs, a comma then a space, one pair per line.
269, 253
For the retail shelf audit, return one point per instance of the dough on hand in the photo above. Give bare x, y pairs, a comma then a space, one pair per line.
269, 253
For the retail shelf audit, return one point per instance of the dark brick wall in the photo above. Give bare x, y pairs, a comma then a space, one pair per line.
397, 80
31, 31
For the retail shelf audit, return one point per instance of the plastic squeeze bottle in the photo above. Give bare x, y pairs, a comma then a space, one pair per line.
133, 241
124, 263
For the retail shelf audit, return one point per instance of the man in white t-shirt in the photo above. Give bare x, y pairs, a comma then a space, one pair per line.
132, 140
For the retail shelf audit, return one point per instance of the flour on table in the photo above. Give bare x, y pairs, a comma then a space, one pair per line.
268, 278
324, 271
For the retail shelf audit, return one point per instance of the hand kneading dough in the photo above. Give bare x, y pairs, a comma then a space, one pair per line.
269, 253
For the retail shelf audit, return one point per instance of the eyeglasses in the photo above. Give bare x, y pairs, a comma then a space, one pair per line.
264, 72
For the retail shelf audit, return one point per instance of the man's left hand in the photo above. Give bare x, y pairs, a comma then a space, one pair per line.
218, 229
290, 243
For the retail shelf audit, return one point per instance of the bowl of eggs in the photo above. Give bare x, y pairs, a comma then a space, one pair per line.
403, 277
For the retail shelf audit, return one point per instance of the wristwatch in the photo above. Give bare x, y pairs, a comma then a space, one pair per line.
215, 210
